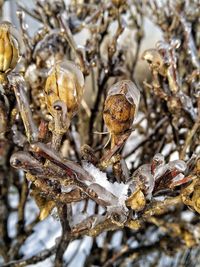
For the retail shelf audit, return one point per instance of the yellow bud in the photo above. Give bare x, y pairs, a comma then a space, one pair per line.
136, 201
65, 83
134, 224
45, 211
9, 47
189, 239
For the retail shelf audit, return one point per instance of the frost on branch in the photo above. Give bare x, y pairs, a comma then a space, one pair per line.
91, 146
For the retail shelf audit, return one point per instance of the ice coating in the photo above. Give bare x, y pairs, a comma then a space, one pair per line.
158, 175
145, 177
157, 162
187, 105
73, 68
19, 87
129, 89
159, 158
69, 67
175, 43
160, 171
192, 51
50, 49
179, 165
101, 191
178, 177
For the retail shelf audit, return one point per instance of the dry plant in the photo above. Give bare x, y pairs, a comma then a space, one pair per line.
68, 128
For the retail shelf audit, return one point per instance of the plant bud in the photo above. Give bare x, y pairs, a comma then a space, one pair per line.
136, 201
65, 83
43, 204
121, 106
9, 47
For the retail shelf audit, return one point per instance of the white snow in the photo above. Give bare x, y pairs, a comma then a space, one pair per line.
81, 254
117, 189
116, 239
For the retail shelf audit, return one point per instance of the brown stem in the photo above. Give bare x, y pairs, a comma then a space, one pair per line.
66, 236
21, 206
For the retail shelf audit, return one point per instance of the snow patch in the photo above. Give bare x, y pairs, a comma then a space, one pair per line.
117, 189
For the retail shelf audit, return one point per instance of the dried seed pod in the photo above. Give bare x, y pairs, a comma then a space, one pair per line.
52, 48
155, 60
9, 47
121, 106
118, 3
65, 83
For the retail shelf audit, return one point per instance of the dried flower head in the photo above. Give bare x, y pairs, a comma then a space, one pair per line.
65, 83
9, 47
52, 48
121, 106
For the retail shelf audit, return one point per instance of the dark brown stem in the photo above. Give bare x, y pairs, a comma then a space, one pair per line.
66, 236
41, 256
